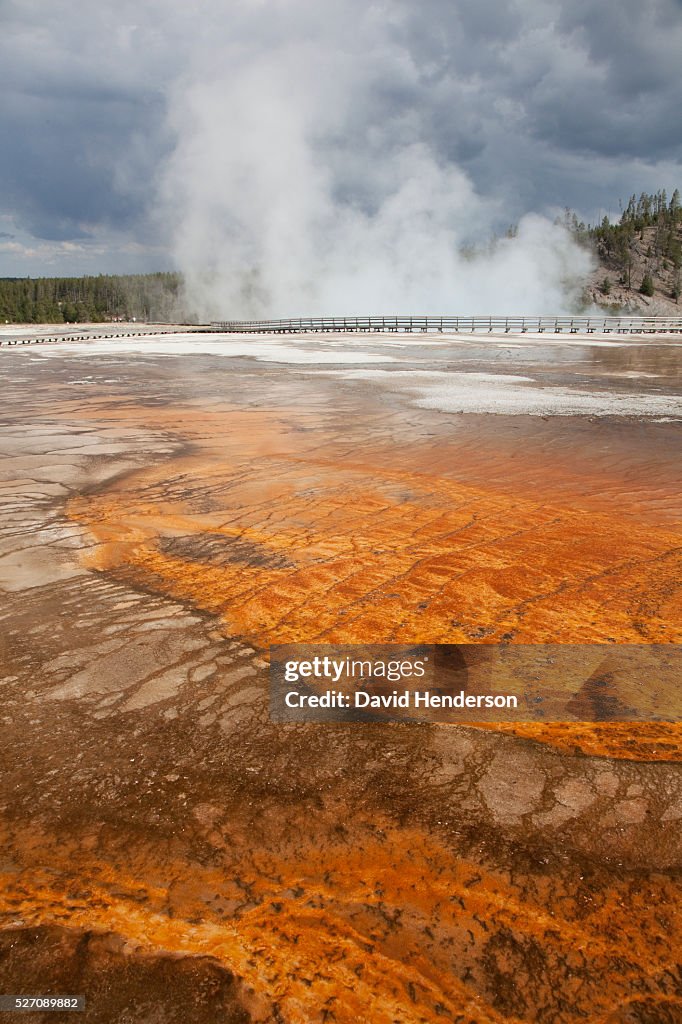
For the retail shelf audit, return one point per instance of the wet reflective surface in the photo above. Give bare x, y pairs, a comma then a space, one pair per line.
169, 511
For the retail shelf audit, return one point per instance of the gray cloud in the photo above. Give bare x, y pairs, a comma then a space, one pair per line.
139, 129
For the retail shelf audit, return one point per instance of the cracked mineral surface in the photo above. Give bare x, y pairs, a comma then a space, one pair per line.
169, 509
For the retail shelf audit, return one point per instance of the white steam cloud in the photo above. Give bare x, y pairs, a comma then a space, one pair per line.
294, 189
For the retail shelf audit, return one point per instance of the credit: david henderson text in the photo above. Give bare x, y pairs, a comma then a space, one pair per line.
404, 699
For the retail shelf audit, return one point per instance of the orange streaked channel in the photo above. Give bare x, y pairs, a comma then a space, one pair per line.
288, 535
335, 874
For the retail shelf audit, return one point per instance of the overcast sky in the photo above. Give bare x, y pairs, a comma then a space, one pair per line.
108, 109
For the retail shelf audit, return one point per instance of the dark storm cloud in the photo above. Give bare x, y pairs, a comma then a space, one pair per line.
520, 84
540, 102
82, 126
61, 176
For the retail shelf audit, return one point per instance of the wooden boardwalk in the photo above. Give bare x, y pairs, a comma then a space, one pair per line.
94, 335
469, 324
391, 324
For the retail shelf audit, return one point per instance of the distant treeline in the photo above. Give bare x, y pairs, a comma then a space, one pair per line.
56, 300
649, 227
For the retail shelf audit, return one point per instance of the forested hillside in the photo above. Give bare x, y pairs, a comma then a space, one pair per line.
639, 257
57, 300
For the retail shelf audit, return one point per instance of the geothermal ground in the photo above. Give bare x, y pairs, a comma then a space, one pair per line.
170, 507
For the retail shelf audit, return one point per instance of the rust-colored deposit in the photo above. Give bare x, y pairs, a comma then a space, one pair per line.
287, 535
181, 857
284, 539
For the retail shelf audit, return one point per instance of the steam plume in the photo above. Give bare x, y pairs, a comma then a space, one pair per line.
295, 189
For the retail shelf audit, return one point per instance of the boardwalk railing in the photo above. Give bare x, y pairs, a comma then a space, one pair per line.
497, 324
44, 339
